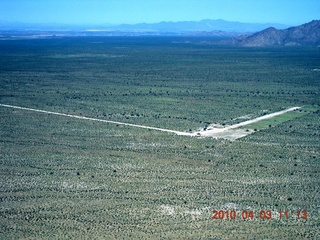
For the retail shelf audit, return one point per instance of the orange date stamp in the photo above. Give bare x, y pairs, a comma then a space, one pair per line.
262, 214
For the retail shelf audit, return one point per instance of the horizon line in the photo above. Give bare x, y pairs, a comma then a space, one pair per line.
162, 21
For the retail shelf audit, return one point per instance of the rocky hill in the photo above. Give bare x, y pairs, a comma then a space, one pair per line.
306, 34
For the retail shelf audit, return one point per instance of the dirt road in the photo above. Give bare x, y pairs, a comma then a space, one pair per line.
95, 119
216, 132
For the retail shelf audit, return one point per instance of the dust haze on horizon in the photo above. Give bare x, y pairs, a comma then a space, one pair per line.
86, 12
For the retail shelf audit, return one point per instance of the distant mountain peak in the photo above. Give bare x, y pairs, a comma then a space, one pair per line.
305, 34
269, 29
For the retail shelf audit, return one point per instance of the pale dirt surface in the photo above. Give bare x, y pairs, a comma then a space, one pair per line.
229, 132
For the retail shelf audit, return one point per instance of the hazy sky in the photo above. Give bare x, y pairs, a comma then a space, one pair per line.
293, 12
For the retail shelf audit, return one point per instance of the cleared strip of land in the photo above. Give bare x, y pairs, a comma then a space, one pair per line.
95, 119
216, 132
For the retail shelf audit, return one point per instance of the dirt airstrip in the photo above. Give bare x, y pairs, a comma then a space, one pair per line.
228, 132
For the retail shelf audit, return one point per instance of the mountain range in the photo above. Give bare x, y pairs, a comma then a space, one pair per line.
306, 34
235, 33
205, 25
